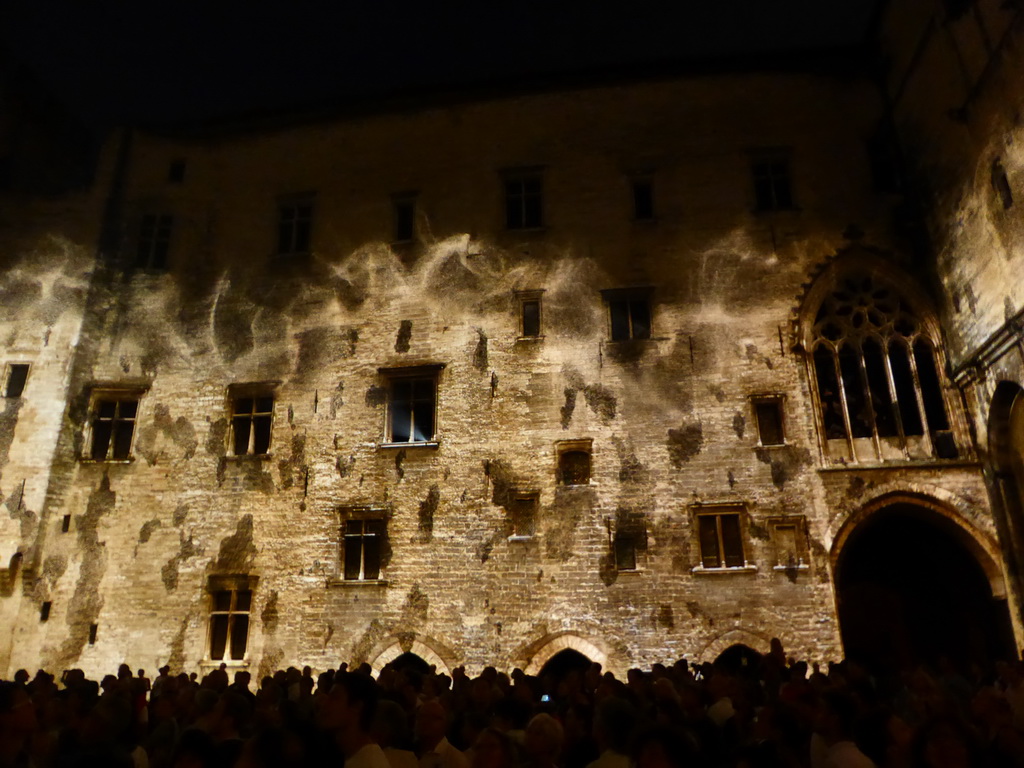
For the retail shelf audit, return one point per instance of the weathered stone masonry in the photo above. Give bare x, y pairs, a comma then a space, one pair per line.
669, 420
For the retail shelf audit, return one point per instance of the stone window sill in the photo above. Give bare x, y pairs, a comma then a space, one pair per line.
698, 570
87, 460
800, 567
631, 572
522, 538
337, 582
249, 456
418, 444
529, 339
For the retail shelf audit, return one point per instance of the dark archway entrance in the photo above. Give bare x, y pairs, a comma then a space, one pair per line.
409, 662
562, 664
909, 591
739, 659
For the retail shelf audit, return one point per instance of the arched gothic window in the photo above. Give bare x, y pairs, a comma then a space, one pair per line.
879, 382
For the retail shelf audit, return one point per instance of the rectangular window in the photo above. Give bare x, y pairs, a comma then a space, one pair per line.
643, 199
154, 241
252, 417
294, 227
364, 540
17, 375
574, 462
629, 312
523, 201
789, 541
529, 314
522, 511
230, 605
404, 212
93, 628
721, 539
412, 404
626, 543
112, 425
772, 183
44, 611
768, 414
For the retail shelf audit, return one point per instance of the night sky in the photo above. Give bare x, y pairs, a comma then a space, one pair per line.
146, 61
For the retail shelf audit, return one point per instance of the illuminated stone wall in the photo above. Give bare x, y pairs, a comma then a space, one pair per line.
670, 418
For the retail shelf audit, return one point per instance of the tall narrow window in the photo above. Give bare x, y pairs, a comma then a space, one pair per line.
17, 375
643, 199
789, 541
879, 384
522, 512
772, 189
252, 417
768, 413
529, 314
294, 226
112, 425
412, 404
629, 313
629, 539
230, 606
403, 209
721, 539
363, 544
524, 200
154, 241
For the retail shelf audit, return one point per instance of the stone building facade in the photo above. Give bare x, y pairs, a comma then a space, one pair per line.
640, 370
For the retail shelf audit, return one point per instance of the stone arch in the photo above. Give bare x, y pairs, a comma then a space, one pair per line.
548, 646
428, 649
1006, 454
757, 641
983, 548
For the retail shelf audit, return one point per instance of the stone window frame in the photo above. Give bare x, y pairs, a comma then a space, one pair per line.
256, 390
296, 214
234, 584
899, 336
363, 513
520, 495
799, 523
422, 372
523, 298
771, 173
111, 393
718, 510
520, 215
779, 401
580, 445
153, 240
637, 536
12, 373
630, 297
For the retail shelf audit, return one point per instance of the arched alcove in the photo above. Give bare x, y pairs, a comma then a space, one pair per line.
553, 645
409, 649
910, 589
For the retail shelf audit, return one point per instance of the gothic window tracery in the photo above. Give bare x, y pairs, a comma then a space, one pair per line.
878, 380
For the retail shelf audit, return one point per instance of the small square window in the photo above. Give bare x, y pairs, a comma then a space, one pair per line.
404, 212
112, 424
252, 419
412, 404
524, 200
628, 541
294, 226
522, 512
154, 241
720, 537
364, 543
770, 423
772, 188
17, 375
629, 313
529, 314
643, 199
230, 607
176, 171
789, 541
574, 462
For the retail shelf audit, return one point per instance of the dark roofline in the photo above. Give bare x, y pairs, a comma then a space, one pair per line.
846, 62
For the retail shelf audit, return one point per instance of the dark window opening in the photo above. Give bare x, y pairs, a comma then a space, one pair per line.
113, 424
878, 389
630, 317
626, 543
17, 375
176, 171
789, 544
828, 393
721, 541
404, 210
363, 544
412, 407
772, 184
643, 199
906, 391
531, 317
769, 421
294, 228
229, 624
251, 422
523, 515
65, 524
574, 467
523, 202
154, 241
1001, 184
856, 400
44, 611
93, 629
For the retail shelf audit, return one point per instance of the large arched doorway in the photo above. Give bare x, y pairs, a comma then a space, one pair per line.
909, 591
1006, 452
